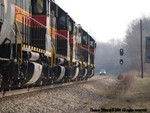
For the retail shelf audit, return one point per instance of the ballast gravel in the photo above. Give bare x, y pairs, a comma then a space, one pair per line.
76, 98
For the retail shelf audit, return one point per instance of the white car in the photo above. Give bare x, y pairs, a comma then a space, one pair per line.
102, 72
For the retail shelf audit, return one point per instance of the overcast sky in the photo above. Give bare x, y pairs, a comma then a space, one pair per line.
105, 19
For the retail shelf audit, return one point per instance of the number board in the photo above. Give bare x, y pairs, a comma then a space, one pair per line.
147, 48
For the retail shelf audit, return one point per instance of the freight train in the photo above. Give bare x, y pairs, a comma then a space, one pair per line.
40, 44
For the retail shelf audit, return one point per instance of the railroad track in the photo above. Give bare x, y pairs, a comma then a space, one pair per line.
42, 88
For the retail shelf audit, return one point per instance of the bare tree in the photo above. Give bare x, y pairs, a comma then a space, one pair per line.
133, 42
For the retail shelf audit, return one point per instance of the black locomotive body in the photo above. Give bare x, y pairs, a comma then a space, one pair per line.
40, 44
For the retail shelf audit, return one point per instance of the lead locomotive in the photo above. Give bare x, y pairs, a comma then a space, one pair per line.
41, 44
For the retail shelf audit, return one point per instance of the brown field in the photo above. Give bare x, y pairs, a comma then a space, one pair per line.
131, 93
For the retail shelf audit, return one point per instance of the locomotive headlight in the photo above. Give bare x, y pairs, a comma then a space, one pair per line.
7, 14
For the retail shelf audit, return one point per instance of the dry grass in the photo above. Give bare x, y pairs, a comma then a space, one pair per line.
131, 92
126, 80
124, 83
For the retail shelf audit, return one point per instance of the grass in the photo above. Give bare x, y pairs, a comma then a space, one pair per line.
131, 92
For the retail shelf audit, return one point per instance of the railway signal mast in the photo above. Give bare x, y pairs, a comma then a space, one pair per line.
121, 59
121, 54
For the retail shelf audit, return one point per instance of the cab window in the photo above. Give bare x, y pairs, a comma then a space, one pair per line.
92, 44
84, 39
38, 6
69, 26
62, 21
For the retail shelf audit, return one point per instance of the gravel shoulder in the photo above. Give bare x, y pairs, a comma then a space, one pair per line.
77, 98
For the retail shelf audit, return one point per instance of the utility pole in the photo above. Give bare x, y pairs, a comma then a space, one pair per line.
141, 48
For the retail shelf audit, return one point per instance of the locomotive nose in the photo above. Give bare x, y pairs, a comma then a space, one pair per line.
7, 13
1, 13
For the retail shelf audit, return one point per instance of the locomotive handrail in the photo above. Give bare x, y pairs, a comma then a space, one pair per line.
53, 59
37, 24
58, 34
32, 19
20, 40
27, 33
40, 24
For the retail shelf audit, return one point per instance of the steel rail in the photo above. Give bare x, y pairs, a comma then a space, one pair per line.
42, 88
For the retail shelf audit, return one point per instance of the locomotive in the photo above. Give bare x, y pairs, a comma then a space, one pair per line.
40, 44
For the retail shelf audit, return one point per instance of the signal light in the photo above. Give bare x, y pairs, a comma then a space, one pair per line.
121, 52
121, 61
